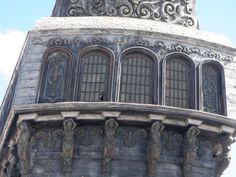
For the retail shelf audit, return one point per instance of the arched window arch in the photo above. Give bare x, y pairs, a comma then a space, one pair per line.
139, 75
55, 80
179, 81
212, 88
94, 75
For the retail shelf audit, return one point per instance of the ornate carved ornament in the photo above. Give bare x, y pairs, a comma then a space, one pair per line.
87, 135
222, 153
50, 140
130, 137
170, 140
76, 41
160, 46
204, 149
176, 47
179, 12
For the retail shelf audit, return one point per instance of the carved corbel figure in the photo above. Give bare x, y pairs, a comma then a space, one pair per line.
13, 162
68, 143
23, 147
222, 154
154, 150
5, 168
110, 128
190, 150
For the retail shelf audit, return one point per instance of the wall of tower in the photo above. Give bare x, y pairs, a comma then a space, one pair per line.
42, 129
28, 84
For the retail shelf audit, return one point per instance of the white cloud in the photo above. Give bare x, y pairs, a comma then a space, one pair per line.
11, 43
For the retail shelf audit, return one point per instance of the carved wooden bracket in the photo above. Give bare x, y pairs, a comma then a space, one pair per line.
110, 129
190, 150
24, 146
154, 148
68, 143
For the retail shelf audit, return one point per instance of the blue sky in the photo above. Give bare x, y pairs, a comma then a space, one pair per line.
18, 16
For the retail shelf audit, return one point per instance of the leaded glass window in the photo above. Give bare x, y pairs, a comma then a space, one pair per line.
55, 78
211, 88
179, 83
136, 83
94, 80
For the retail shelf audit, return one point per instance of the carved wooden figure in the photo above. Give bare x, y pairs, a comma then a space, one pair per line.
190, 150
5, 168
68, 143
154, 151
223, 155
13, 162
23, 147
110, 128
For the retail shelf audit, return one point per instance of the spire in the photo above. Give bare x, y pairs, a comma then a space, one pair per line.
182, 12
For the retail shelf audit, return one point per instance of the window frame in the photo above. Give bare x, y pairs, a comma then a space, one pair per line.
154, 76
110, 75
44, 68
222, 94
192, 102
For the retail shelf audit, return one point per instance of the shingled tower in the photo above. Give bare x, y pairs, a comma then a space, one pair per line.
120, 88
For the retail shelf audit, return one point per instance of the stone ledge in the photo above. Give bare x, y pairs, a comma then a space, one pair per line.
122, 112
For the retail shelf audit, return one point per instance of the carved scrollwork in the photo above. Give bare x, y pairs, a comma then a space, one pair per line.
174, 11
87, 135
50, 140
204, 149
160, 46
140, 42
130, 137
195, 50
57, 41
170, 140
76, 41
181, 48
95, 41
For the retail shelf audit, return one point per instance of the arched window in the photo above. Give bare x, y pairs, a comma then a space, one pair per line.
55, 77
213, 88
179, 81
136, 82
94, 76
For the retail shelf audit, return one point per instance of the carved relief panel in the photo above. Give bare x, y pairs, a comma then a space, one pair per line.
213, 88
169, 140
49, 140
56, 77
